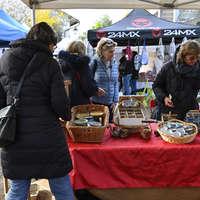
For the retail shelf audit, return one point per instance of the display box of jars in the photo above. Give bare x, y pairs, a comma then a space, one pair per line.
130, 111
130, 116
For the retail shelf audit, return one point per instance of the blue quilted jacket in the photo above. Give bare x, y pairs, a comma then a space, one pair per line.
109, 85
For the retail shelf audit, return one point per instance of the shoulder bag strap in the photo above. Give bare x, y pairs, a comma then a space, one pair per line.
16, 97
94, 68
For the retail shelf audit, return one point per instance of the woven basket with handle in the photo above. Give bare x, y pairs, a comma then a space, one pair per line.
134, 128
87, 133
177, 140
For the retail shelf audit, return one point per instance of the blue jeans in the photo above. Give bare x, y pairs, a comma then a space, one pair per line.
125, 81
60, 187
133, 85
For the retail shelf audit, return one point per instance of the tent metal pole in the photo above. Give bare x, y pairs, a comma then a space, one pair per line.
33, 13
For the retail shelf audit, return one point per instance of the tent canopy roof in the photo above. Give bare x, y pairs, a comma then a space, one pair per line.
10, 29
139, 25
115, 4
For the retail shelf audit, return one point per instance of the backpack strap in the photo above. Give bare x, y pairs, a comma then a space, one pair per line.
94, 68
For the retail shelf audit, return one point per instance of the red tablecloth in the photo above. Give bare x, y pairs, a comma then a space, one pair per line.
134, 162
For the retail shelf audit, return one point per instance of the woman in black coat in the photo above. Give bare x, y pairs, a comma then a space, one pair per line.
40, 149
83, 86
177, 84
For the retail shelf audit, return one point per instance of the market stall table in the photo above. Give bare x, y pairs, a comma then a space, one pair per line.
135, 163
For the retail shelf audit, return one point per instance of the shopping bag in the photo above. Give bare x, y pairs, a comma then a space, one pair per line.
184, 40
144, 55
137, 60
128, 54
172, 48
159, 50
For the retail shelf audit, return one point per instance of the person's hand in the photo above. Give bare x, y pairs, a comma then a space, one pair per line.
61, 119
101, 92
168, 102
113, 107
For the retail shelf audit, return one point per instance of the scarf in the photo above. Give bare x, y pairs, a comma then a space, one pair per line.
189, 71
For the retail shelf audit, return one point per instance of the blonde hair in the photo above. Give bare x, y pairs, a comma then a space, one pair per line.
188, 48
77, 47
102, 44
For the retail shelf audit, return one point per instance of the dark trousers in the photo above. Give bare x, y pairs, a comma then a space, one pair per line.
110, 110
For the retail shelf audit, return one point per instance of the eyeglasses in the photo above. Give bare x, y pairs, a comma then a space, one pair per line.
193, 58
54, 48
107, 42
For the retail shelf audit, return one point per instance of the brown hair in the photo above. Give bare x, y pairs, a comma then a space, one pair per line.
188, 48
102, 44
42, 32
77, 47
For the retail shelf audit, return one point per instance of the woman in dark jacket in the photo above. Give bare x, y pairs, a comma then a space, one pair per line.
135, 74
125, 69
177, 83
74, 61
40, 149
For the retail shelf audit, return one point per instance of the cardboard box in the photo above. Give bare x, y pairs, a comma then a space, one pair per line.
44, 191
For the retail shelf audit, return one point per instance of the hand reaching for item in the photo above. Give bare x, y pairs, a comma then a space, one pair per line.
101, 92
113, 107
168, 102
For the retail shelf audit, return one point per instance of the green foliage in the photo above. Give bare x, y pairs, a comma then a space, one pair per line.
16, 9
21, 13
102, 22
98, 25
83, 36
60, 26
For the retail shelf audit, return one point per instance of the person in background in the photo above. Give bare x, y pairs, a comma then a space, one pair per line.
125, 69
40, 149
177, 84
74, 60
134, 77
105, 71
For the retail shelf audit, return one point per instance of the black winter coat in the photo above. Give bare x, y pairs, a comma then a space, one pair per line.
183, 90
40, 149
125, 67
78, 91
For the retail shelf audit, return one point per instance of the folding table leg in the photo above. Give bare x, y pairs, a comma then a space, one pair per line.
6, 188
150, 94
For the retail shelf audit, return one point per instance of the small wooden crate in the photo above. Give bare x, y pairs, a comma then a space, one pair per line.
87, 133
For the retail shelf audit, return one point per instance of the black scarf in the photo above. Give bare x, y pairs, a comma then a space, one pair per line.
189, 71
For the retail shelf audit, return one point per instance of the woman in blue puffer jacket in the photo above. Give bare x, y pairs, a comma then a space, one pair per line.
105, 72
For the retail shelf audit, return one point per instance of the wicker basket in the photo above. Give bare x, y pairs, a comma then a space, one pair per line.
134, 128
87, 134
177, 140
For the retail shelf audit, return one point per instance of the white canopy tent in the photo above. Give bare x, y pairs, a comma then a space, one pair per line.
110, 4
113, 4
